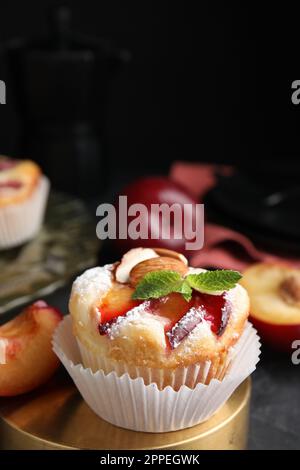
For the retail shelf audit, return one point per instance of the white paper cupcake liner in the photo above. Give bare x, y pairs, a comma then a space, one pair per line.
131, 404
189, 376
21, 222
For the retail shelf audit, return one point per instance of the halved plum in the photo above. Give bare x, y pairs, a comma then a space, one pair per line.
26, 356
274, 291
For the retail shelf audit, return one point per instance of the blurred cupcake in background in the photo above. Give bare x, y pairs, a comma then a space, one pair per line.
23, 196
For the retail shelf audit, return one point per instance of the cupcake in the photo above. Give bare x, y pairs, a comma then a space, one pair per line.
152, 316
23, 196
154, 345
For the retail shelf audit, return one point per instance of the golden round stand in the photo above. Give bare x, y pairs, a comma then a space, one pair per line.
56, 417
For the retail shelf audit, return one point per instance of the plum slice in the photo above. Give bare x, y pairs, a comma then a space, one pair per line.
214, 309
225, 314
184, 326
217, 310
115, 304
11, 184
180, 317
7, 163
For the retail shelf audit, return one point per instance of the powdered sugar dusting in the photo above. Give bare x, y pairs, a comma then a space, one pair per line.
202, 330
135, 314
186, 325
138, 317
94, 280
230, 297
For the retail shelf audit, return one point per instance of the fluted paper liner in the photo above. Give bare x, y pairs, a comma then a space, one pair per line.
190, 376
20, 222
131, 404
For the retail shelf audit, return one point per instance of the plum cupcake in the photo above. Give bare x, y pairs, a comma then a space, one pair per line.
23, 196
154, 345
152, 316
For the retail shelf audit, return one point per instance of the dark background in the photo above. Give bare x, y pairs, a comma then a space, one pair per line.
207, 81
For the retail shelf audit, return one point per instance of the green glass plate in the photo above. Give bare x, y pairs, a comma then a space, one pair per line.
66, 245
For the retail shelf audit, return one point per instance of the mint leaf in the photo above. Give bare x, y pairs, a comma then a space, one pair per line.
213, 281
158, 284
186, 290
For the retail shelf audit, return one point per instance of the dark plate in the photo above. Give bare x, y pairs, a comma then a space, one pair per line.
243, 204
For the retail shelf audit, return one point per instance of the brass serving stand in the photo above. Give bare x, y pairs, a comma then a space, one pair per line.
56, 417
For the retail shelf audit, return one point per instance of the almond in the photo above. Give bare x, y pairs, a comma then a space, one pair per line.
131, 259
170, 254
156, 264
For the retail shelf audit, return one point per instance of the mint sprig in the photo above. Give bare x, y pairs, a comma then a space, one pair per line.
214, 281
161, 283
157, 284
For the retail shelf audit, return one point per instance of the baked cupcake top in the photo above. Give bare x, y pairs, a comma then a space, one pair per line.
152, 310
18, 179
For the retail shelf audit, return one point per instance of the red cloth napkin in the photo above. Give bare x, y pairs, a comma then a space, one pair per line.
223, 248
